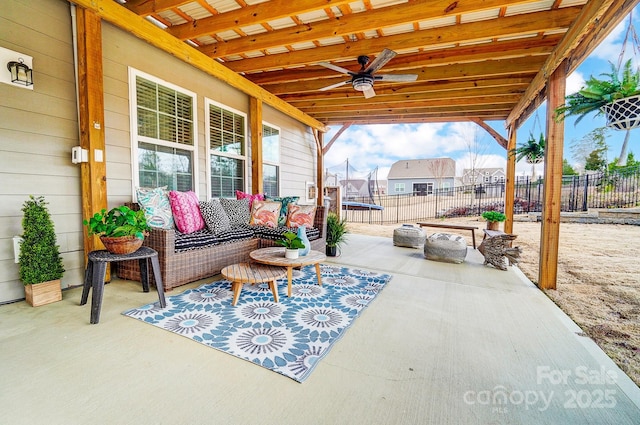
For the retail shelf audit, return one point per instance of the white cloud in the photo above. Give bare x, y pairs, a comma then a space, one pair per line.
575, 81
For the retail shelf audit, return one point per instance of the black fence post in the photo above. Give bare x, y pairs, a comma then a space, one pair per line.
586, 192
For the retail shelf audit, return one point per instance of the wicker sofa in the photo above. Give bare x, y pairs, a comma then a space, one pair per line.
179, 267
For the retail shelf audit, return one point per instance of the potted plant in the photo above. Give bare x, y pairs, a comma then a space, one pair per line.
121, 230
493, 219
617, 96
292, 243
336, 231
532, 150
40, 263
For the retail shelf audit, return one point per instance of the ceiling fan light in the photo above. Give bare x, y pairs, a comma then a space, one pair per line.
362, 82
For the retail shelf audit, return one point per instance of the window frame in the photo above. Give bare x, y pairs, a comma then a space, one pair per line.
208, 151
398, 186
272, 163
135, 138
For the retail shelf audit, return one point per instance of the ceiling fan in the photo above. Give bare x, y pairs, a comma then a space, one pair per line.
363, 80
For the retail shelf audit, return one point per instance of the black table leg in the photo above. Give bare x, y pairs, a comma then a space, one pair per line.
99, 273
159, 285
88, 275
144, 273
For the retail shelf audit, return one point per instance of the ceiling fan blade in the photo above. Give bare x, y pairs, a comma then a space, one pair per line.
336, 68
396, 77
385, 56
333, 86
368, 93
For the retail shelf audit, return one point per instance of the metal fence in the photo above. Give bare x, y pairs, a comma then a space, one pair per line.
579, 193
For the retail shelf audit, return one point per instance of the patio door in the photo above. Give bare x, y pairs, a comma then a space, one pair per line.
422, 189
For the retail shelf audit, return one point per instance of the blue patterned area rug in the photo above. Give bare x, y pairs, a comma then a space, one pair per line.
289, 337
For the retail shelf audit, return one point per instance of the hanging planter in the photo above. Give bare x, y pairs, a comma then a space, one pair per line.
623, 114
531, 151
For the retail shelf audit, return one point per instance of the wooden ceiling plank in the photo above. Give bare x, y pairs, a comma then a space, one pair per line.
439, 118
414, 104
384, 17
493, 51
505, 67
595, 21
148, 7
414, 97
517, 25
123, 18
250, 15
521, 82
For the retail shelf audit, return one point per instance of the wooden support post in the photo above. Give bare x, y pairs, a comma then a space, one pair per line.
93, 174
511, 180
550, 231
319, 168
255, 123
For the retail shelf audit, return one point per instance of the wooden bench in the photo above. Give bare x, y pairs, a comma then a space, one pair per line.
453, 226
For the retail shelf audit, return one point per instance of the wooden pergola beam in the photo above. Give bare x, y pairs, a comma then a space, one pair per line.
123, 18
335, 137
498, 138
552, 191
255, 126
509, 194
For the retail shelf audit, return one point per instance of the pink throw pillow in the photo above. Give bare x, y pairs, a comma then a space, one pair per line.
301, 215
186, 211
265, 213
244, 195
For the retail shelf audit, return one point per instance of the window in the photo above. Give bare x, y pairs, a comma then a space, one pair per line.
271, 159
163, 141
226, 134
399, 187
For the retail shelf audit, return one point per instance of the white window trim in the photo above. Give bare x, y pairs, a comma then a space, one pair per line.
207, 138
278, 164
397, 186
133, 126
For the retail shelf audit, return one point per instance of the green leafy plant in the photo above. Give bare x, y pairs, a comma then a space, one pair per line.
599, 92
39, 259
119, 221
336, 230
532, 149
495, 216
290, 241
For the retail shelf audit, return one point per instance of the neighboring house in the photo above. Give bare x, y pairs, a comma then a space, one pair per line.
166, 123
483, 176
421, 176
354, 188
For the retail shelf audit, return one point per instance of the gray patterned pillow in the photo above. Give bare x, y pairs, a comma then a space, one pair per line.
215, 216
237, 210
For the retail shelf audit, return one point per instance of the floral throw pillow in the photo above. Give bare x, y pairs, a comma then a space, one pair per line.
154, 201
237, 210
285, 201
256, 197
215, 216
301, 215
265, 213
186, 211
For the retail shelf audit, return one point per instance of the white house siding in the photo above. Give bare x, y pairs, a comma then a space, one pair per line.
37, 130
297, 154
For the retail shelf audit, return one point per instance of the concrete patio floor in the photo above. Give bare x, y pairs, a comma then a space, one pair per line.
442, 344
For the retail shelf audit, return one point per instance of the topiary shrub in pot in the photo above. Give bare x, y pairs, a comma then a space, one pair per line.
40, 262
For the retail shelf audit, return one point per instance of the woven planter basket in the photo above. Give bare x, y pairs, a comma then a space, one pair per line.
534, 159
122, 244
623, 114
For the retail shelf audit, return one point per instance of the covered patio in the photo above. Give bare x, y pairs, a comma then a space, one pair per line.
443, 343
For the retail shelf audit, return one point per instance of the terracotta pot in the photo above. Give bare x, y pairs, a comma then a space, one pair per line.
493, 225
121, 245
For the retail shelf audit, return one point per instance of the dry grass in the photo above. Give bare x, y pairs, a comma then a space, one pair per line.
598, 283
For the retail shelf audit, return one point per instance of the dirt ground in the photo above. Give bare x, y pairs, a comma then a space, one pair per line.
598, 279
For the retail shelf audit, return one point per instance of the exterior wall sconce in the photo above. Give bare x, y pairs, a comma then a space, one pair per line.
20, 72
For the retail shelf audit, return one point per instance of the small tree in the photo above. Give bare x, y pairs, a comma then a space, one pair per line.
567, 169
40, 259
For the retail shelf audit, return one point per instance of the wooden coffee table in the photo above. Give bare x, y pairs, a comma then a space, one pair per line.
239, 274
275, 256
